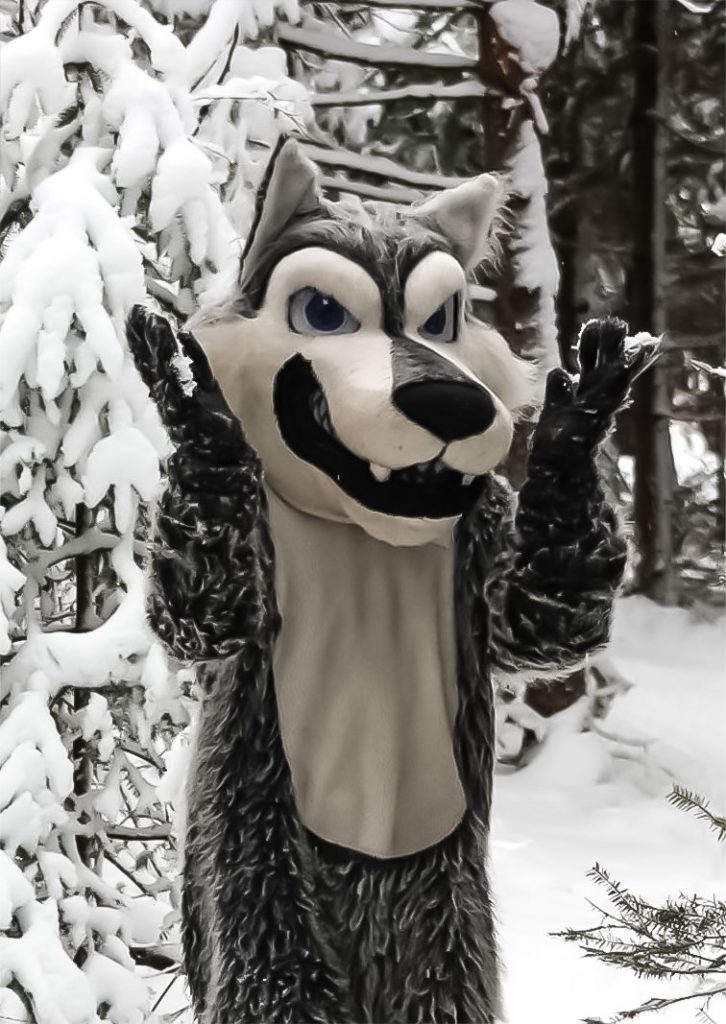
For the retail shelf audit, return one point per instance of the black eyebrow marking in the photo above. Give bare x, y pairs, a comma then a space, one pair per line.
385, 248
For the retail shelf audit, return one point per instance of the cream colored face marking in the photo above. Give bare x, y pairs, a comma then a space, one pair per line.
331, 274
431, 282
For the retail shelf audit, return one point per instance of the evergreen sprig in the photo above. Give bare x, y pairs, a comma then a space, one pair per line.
686, 800
685, 937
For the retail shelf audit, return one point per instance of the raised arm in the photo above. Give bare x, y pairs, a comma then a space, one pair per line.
210, 549
551, 588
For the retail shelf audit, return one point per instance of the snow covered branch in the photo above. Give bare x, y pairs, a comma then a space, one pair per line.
127, 169
336, 46
434, 92
379, 167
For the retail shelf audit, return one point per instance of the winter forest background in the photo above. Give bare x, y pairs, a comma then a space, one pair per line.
134, 133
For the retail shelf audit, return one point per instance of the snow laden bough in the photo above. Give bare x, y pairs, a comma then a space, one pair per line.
336, 554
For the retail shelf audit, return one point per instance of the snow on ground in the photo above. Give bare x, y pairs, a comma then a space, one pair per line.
576, 805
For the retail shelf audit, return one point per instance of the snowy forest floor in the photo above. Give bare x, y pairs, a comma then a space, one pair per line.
576, 804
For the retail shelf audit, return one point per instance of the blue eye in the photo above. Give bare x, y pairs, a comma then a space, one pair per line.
312, 312
443, 324
436, 322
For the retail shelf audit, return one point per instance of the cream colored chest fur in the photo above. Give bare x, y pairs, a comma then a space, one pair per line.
365, 678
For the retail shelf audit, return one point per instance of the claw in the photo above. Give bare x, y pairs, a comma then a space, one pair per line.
136, 324
587, 346
612, 338
601, 341
161, 337
559, 388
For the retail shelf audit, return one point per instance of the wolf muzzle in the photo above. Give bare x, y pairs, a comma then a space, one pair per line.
435, 394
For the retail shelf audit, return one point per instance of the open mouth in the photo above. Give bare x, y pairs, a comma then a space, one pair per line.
425, 490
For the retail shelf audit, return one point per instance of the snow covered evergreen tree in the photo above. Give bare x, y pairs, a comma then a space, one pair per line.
134, 134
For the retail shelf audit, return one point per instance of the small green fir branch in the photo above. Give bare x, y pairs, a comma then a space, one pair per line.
688, 801
685, 937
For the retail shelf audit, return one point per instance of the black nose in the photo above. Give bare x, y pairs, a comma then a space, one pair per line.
433, 392
450, 410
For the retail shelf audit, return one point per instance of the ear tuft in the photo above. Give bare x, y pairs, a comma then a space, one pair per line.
465, 216
289, 189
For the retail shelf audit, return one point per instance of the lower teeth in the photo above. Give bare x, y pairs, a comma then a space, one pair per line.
419, 473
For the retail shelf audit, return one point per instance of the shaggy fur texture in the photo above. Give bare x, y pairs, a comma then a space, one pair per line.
278, 925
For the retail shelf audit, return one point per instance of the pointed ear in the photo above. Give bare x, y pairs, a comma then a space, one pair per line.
289, 189
464, 215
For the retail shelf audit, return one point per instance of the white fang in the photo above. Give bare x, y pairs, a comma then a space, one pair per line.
381, 473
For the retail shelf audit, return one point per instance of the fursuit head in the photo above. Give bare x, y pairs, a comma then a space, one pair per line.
353, 361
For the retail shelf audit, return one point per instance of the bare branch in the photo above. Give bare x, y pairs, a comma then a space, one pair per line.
85, 544
152, 956
420, 5
338, 47
435, 91
378, 167
387, 194
141, 835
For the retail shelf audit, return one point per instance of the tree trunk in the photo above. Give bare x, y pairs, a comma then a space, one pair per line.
515, 308
654, 471
517, 313
85, 621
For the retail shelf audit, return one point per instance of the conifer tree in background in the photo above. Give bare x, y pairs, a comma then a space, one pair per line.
607, 145
134, 135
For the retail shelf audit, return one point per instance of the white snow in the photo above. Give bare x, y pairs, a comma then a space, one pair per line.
95, 720
124, 460
11, 580
532, 30
145, 189
534, 260
30, 65
575, 11
30, 722
15, 890
144, 918
580, 802
38, 961
115, 984
12, 1007
698, 6
182, 186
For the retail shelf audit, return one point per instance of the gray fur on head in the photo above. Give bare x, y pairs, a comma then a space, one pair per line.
388, 238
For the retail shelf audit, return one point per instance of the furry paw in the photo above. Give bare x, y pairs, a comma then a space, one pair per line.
190, 402
609, 364
579, 411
